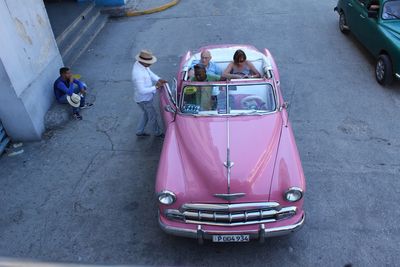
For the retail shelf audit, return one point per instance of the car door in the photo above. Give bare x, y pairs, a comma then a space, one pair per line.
356, 11
369, 33
168, 103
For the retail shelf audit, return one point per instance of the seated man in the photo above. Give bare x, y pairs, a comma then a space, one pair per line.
201, 75
68, 90
205, 60
208, 93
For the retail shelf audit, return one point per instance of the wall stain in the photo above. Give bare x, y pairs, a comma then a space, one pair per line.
39, 19
22, 31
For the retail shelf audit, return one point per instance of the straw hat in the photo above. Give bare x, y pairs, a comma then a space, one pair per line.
74, 100
145, 56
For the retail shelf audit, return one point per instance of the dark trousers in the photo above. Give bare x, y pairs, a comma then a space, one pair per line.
63, 100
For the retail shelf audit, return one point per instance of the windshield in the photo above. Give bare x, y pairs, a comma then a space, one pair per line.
240, 99
391, 10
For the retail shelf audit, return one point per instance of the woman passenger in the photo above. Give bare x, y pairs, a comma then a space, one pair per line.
240, 68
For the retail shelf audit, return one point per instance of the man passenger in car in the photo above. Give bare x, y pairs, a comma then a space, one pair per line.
205, 59
207, 96
373, 6
201, 75
240, 67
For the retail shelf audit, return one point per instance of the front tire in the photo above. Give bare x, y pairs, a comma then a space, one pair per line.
384, 70
343, 23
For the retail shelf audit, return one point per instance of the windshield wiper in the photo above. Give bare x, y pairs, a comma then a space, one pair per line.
245, 113
393, 15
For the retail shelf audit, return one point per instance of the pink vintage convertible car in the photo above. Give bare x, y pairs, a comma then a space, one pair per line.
229, 169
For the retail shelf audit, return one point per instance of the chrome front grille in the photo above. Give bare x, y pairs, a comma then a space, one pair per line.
231, 214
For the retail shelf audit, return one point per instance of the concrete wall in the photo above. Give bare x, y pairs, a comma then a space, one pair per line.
29, 63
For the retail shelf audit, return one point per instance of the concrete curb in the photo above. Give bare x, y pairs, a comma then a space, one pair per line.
126, 12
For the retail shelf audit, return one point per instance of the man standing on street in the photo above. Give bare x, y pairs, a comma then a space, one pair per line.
143, 80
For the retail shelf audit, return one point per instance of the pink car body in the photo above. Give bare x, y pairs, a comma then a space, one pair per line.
229, 176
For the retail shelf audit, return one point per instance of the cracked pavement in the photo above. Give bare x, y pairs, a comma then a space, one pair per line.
85, 193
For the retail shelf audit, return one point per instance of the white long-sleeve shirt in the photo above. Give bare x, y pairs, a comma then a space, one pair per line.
143, 79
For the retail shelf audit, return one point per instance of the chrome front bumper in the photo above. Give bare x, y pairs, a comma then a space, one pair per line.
260, 234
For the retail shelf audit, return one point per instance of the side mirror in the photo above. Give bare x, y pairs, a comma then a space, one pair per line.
170, 109
285, 105
373, 14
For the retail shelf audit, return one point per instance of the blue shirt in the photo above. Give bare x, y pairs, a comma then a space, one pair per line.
212, 68
62, 87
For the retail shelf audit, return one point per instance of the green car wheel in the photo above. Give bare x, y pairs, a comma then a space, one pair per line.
343, 23
384, 70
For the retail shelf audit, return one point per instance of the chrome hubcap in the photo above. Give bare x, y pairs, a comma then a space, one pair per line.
380, 70
342, 22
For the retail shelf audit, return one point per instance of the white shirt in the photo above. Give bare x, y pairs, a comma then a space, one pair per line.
143, 79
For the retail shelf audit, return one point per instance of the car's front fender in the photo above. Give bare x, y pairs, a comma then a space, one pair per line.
288, 169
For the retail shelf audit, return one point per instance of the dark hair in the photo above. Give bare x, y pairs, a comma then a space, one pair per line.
238, 55
199, 67
64, 70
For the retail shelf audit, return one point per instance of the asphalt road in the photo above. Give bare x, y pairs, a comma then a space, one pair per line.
85, 193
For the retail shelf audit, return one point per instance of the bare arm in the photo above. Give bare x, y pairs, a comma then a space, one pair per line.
254, 71
227, 73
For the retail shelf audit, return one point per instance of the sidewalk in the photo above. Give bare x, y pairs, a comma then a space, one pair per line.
145, 4
140, 7
82, 186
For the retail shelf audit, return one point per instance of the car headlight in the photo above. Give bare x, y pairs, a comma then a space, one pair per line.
166, 197
293, 194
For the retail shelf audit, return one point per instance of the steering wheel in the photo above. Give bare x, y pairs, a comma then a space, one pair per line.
252, 102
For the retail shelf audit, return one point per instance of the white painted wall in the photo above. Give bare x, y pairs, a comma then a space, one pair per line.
30, 61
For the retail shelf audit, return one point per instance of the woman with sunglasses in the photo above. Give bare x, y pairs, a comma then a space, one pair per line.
240, 68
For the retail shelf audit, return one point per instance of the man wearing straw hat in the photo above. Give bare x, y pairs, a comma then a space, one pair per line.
146, 84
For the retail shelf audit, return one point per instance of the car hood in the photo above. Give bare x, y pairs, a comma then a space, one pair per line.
393, 27
203, 144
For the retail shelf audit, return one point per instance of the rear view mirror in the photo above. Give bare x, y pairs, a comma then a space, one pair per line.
373, 13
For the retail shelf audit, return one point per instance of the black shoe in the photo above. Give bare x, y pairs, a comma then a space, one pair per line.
87, 105
142, 134
77, 116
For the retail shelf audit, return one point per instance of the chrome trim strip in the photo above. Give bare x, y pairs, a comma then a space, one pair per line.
230, 196
269, 232
228, 164
231, 207
229, 115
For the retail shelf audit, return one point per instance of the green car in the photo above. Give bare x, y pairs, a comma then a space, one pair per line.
376, 24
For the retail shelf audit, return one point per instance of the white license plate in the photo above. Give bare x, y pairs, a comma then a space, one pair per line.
231, 238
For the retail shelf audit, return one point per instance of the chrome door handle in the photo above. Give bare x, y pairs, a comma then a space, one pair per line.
362, 16
349, 4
